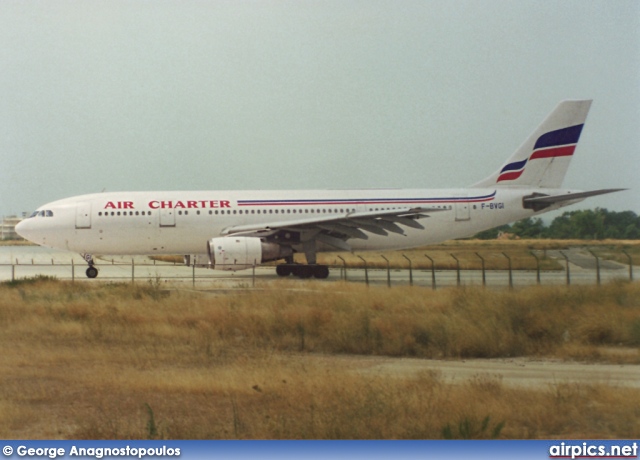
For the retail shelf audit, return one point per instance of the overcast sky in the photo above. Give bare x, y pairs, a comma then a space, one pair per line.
170, 95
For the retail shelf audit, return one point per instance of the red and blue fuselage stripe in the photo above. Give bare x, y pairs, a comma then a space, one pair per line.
370, 201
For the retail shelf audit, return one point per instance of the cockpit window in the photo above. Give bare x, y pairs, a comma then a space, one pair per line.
42, 213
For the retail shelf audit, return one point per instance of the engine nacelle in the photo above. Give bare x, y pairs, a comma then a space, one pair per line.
241, 252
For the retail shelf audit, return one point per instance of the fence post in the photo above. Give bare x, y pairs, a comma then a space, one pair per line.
13, 272
484, 279
537, 266
193, 274
510, 274
410, 270
630, 264
433, 272
366, 273
133, 271
73, 272
344, 267
597, 265
253, 274
566, 260
457, 268
388, 271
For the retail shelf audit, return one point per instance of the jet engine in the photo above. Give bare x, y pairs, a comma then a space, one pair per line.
241, 252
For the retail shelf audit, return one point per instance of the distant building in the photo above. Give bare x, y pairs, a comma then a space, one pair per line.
8, 227
507, 236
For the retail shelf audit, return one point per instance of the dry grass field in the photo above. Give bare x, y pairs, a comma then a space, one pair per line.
15, 243
116, 361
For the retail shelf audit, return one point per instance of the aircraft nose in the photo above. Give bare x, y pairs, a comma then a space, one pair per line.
22, 229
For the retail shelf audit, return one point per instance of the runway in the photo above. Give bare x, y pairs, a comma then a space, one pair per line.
27, 261
520, 372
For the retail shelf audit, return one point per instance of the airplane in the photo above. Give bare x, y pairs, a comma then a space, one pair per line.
236, 230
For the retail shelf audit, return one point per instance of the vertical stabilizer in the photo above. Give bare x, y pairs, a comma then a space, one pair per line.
543, 159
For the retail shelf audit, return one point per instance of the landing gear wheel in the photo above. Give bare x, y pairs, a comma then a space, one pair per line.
92, 272
321, 272
305, 271
283, 270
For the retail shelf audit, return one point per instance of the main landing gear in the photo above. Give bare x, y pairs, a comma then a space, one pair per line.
92, 271
303, 271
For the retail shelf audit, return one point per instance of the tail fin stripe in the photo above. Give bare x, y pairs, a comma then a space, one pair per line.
511, 175
514, 166
564, 136
565, 151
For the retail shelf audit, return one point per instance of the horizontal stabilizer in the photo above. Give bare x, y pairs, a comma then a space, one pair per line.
551, 199
540, 201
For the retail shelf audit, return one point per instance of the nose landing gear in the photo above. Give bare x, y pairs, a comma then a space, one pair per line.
92, 271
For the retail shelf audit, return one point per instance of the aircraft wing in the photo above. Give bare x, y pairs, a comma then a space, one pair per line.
336, 229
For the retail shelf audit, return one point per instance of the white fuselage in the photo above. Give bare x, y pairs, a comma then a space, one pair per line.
181, 222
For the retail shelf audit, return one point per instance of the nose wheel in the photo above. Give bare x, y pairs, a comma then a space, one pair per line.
92, 271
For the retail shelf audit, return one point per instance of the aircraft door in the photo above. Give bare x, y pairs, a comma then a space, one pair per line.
83, 215
167, 217
462, 208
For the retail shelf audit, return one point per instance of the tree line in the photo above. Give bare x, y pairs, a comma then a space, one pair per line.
589, 224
